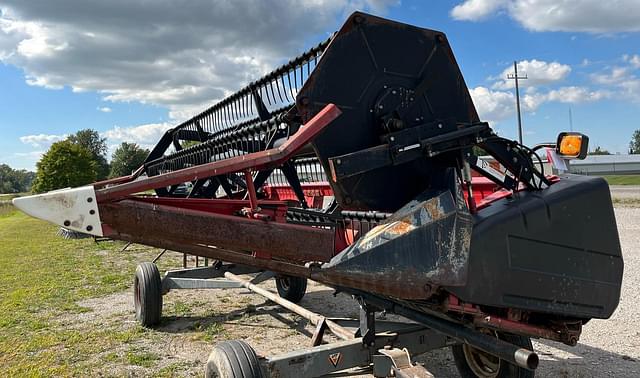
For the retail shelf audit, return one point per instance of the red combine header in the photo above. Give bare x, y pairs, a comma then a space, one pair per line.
352, 165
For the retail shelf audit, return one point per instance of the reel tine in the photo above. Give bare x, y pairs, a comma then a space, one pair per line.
226, 116
272, 93
301, 77
263, 88
219, 120
244, 105
278, 88
295, 80
289, 80
235, 109
284, 88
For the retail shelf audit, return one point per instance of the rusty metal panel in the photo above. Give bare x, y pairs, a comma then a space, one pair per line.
145, 222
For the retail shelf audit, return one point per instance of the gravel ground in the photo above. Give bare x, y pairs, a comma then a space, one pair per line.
625, 191
607, 347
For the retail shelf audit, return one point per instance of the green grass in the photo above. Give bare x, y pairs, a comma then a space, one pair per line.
141, 358
212, 331
10, 196
622, 179
6, 208
42, 277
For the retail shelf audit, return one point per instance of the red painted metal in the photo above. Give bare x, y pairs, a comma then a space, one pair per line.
453, 303
314, 193
119, 180
482, 319
251, 190
275, 210
257, 160
506, 325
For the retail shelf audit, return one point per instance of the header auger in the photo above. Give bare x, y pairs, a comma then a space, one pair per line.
352, 165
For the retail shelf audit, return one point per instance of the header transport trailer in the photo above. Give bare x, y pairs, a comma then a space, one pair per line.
351, 165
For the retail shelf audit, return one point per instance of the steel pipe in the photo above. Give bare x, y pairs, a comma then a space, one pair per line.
314, 318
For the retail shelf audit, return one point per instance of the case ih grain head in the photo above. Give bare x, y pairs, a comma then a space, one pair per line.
352, 165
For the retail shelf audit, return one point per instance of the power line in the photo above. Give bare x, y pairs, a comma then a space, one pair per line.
514, 76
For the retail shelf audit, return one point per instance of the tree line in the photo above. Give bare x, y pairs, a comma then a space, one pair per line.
78, 160
82, 159
15, 180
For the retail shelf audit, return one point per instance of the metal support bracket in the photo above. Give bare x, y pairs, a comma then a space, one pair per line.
394, 362
367, 328
316, 339
209, 277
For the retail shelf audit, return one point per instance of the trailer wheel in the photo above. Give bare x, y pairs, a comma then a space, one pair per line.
233, 359
147, 294
472, 362
291, 288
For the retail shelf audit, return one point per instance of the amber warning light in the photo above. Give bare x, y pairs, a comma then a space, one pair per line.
572, 145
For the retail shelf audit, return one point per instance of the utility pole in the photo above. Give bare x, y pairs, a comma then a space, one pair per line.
514, 76
570, 120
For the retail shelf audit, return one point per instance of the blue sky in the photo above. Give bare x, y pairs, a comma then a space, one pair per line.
130, 73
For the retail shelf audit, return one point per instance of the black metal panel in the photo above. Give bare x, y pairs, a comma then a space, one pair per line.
419, 248
374, 70
552, 251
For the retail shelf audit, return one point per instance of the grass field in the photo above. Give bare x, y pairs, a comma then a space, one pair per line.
42, 278
623, 179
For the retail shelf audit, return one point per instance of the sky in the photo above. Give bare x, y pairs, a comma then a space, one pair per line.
133, 68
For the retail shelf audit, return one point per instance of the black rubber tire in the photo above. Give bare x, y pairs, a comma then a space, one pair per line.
147, 294
233, 359
505, 369
291, 288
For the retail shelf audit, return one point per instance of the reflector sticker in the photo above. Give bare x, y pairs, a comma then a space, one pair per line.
335, 359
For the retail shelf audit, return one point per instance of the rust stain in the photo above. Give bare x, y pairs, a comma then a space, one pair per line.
400, 228
60, 200
434, 209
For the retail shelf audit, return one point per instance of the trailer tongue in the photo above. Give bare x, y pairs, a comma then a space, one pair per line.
351, 165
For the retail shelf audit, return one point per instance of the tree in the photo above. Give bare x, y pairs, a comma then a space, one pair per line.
14, 180
65, 164
599, 151
127, 158
90, 140
634, 145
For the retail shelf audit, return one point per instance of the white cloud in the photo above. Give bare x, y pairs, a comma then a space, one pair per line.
631, 89
104, 109
144, 135
575, 94
475, 10
181, 58
621, 81
538, 73
591, 16
41, 140
493, 106
496, 105
612, 76
634, 60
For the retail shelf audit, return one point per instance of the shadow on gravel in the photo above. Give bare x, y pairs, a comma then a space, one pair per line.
585, 361
241, 317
